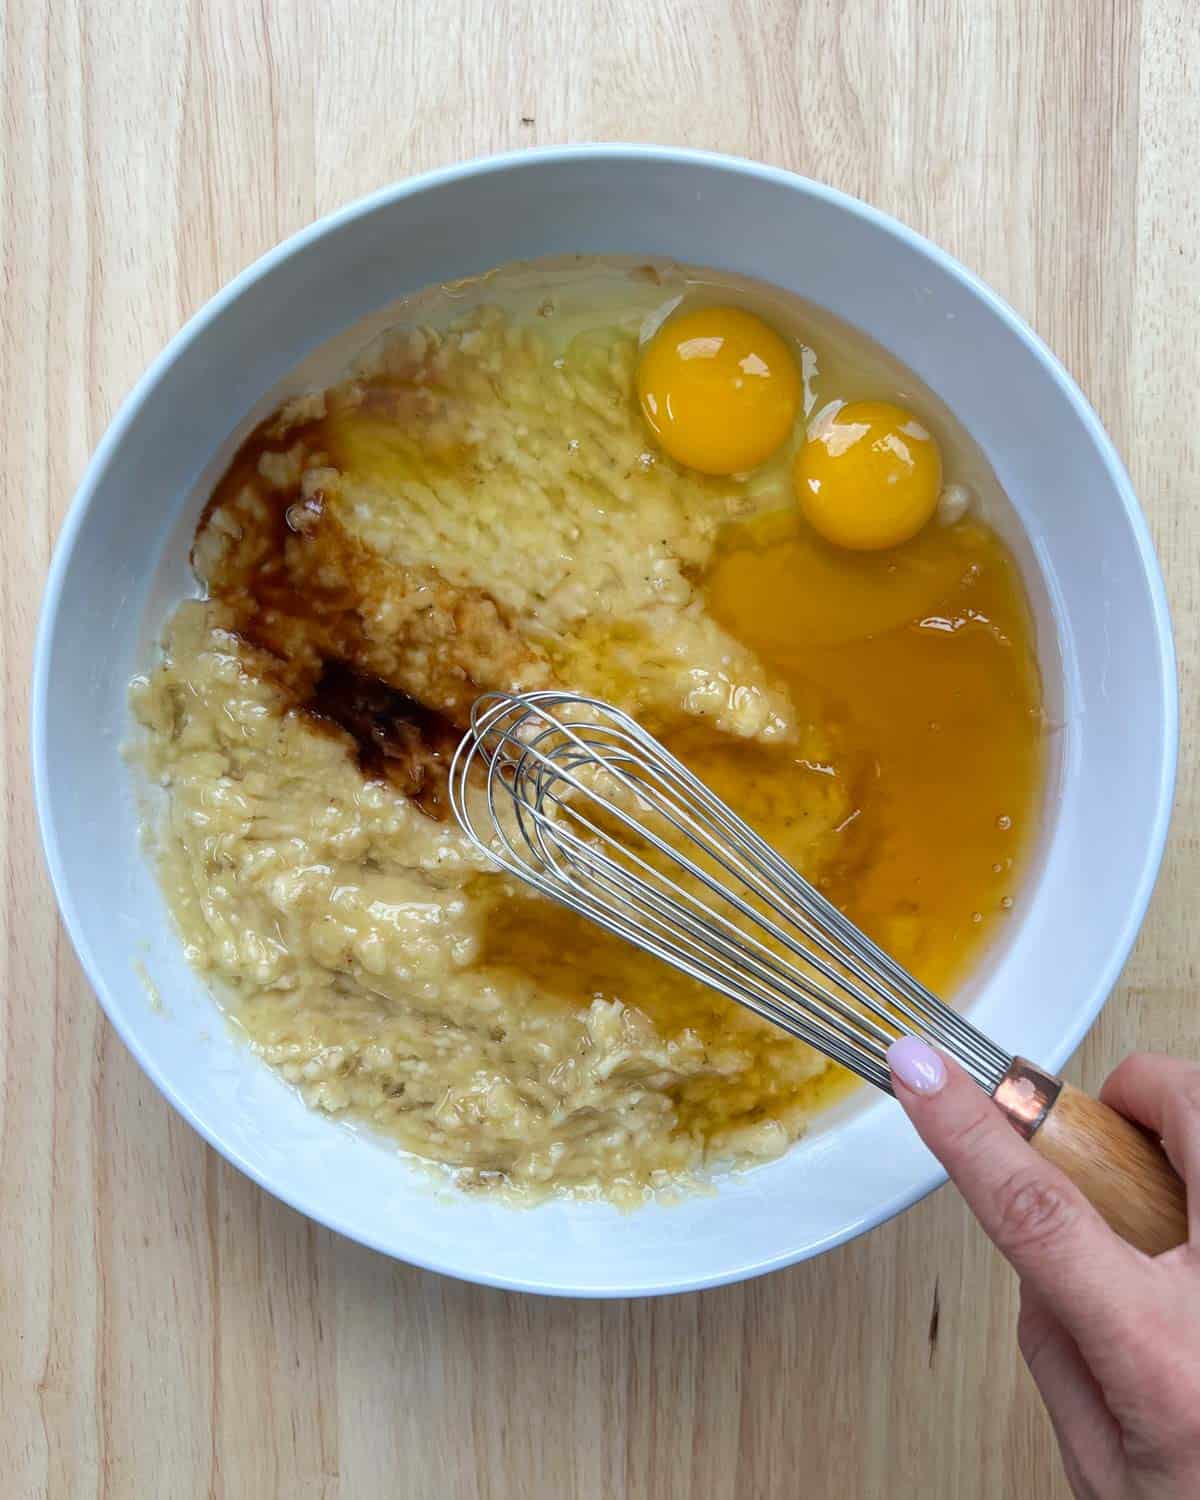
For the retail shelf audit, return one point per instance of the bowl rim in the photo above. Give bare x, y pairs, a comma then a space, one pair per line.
492, 165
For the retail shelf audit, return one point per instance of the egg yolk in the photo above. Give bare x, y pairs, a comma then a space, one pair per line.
719, 389
869, 476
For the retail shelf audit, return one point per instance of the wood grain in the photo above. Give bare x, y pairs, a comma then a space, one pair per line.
165, 1328
1123, 1171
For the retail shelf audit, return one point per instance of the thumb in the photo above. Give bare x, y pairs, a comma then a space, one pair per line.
1038, 1219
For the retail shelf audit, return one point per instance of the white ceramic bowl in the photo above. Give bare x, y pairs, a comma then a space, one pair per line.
1105, 642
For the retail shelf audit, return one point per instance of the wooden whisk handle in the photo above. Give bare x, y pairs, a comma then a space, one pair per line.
1119, 1167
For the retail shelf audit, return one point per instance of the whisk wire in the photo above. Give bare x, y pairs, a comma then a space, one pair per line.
554, 766
743, 953
729, 937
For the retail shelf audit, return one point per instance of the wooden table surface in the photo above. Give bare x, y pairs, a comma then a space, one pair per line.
168, 1330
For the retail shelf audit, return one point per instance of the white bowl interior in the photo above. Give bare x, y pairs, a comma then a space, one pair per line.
1104, 642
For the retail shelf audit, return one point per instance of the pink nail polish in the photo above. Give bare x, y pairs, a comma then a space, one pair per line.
917, 1066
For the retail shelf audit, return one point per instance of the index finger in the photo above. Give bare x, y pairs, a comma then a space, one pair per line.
1038, 1219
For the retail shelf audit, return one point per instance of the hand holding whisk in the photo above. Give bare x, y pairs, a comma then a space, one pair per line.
576, 799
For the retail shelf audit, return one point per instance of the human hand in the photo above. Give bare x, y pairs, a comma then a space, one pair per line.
1111, 1336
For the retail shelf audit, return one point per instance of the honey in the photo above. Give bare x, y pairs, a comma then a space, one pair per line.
937, 717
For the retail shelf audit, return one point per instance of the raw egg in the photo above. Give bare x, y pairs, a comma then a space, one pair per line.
869, 476
719, 389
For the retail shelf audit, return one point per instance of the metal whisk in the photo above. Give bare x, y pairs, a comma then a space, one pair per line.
577, 800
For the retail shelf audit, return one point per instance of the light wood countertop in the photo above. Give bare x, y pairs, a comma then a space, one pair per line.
166, 1329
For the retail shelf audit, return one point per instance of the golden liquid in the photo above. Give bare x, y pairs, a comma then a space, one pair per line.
937, 715
920, 661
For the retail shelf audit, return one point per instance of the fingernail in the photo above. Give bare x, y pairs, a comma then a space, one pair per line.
917, 1066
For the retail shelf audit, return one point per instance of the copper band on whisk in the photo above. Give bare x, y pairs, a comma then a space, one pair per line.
1026, 1094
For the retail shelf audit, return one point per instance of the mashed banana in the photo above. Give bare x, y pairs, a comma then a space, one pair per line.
469, 510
